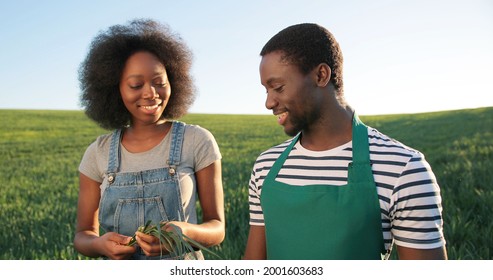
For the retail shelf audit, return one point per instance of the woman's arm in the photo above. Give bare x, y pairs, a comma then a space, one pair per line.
210, 190
87, 240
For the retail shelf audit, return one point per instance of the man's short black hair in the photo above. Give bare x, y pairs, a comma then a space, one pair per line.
306, 45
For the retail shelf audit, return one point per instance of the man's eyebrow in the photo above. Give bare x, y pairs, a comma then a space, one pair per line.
272, 80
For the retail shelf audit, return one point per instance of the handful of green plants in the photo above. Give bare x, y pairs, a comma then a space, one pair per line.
175, 242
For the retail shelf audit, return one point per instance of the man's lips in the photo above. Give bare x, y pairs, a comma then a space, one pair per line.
281, 117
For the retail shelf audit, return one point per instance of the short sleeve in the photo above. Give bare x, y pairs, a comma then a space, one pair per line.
88, 165
206, 149
417, 207
95, 160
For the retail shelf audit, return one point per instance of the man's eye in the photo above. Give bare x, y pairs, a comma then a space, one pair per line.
279, 89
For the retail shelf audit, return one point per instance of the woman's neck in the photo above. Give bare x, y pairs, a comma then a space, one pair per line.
141, 138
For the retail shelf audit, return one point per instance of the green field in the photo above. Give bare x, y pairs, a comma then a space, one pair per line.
40, 152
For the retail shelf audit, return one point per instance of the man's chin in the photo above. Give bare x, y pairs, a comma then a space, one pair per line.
291, 131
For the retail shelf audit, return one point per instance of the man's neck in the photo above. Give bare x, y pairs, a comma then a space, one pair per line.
330, 131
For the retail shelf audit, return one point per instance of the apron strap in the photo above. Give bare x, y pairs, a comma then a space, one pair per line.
359, 170
280, 161
360, 141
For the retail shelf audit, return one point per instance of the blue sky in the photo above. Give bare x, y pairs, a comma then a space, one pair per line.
400, 56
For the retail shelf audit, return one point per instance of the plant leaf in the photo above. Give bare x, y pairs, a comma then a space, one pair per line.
174, 241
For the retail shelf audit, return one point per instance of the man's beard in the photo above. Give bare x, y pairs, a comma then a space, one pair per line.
297, 124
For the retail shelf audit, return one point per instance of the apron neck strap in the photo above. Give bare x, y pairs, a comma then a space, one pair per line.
282, 158
360, 141
360, 147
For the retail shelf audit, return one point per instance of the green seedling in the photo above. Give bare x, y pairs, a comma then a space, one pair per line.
174, 241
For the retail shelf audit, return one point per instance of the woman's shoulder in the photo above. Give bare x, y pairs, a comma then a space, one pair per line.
102, 142
95, 158
104, 139
196, 130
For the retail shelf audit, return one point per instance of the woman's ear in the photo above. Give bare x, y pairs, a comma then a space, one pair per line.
323, 74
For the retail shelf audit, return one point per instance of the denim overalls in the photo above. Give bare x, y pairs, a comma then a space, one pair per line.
130, 199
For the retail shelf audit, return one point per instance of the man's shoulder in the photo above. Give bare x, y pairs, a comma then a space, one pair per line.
271, 154
277, 149
384, 143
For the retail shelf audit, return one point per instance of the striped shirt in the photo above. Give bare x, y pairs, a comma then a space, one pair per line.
408, 192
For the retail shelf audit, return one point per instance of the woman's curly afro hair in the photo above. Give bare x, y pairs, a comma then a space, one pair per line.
100, 72
306, 45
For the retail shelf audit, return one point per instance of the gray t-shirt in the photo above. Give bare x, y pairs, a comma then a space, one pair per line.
199, 151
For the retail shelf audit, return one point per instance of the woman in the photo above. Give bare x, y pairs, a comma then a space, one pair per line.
136, 80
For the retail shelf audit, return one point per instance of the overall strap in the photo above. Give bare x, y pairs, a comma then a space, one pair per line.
114, 155
177, 134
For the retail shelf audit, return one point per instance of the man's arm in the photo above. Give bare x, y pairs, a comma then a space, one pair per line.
406, 253
255, 249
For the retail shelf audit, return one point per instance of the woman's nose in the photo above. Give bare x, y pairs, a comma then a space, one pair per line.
149, 92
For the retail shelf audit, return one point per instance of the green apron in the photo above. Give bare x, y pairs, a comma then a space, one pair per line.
323, 221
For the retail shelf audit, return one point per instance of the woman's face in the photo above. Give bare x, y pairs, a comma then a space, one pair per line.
144, 88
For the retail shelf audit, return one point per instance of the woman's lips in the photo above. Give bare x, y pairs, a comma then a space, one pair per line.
150, 109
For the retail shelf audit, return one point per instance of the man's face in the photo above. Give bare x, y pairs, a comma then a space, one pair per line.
288, 93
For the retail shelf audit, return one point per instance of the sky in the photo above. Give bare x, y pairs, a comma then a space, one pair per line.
399, 56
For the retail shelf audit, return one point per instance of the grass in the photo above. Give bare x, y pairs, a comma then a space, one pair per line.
40, 152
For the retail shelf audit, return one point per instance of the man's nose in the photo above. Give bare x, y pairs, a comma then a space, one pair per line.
270, 101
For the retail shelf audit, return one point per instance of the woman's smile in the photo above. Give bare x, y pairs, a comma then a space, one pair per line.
150, 109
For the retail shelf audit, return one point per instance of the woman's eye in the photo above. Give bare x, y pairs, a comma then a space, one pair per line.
161, 85
135, 86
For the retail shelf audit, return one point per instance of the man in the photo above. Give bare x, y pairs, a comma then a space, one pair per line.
338, 189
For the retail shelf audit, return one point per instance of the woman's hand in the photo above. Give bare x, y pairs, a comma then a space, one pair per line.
150, 244
114, 246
